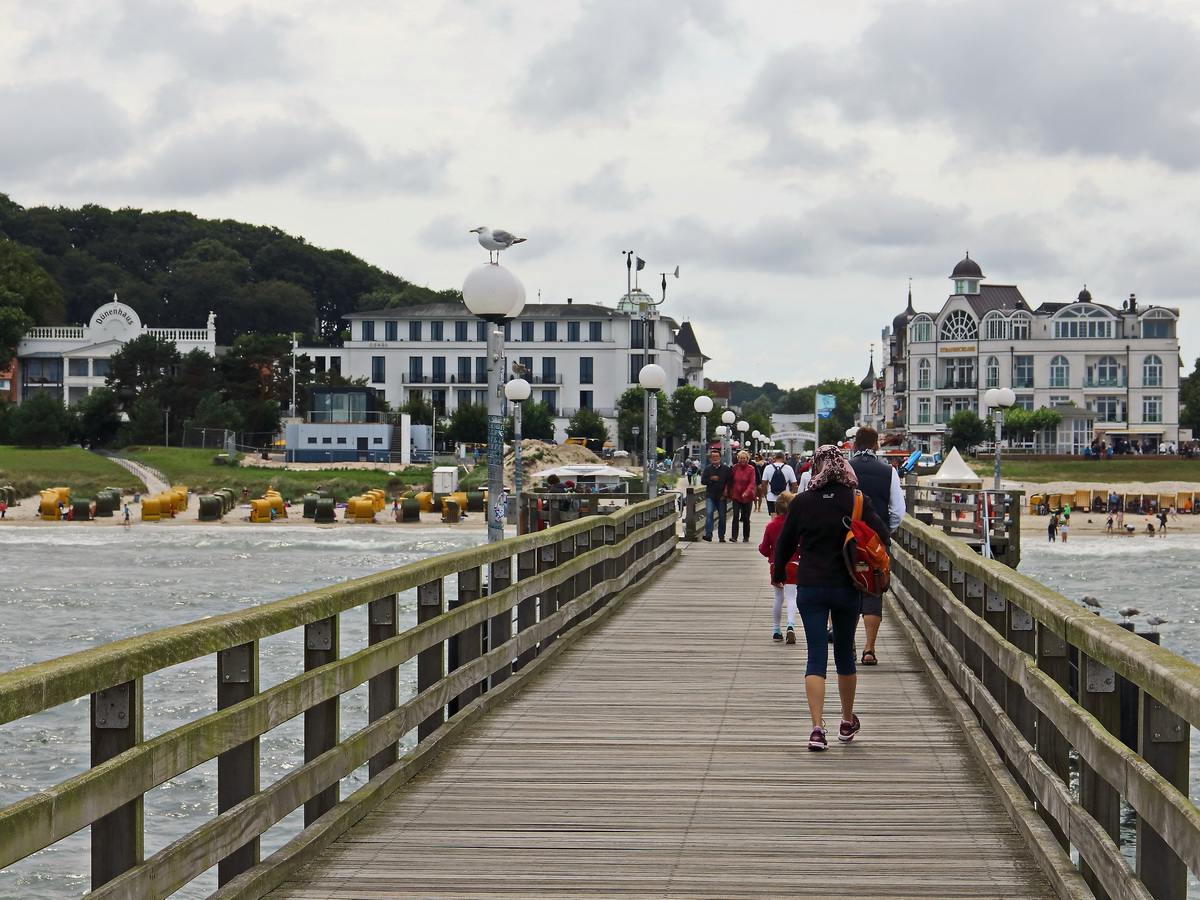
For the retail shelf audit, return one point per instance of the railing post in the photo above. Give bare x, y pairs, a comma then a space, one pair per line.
1022, 636
995, 613
1164, 743
691, 521
321, 722
431, 662
527, 609
1099, 696
968, 590
1051, 745
465, 646
500, 627
237, 769
382, 690
116, 726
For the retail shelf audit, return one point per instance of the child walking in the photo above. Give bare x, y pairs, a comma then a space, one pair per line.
785, 593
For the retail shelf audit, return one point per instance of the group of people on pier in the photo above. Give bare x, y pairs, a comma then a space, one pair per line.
804, 545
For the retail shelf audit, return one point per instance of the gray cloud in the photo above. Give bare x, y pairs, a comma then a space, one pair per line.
608, 188
1063, 78
617, 52
58, 127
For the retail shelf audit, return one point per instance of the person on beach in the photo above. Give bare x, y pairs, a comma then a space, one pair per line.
743, 488
1065, 529
785, 593
1052, 528
1162, 524
816, 525
1108, 525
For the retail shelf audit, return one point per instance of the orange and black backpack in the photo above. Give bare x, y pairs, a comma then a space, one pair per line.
865, 554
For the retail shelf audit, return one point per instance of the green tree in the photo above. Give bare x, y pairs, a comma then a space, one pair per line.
468, 424
537, 423
141, 368
587, 423
41, 421
966, 430
28, 296
97, 418
148, 420
419, 409
684, 418
630, 409
1189, 400
1045, 421
213, 412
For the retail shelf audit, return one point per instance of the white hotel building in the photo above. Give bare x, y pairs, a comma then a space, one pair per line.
575, 354
1109, 371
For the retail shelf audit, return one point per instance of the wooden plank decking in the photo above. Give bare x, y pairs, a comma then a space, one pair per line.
664, 756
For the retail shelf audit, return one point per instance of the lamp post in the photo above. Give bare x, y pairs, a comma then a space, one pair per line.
998, 400
517, 391
494, 294
727, 419
743, 426
703, 405
652, 378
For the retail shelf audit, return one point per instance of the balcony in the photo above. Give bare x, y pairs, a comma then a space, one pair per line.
544, 379
900, 387
1118, 382
568, 411
1026, 383
959, 384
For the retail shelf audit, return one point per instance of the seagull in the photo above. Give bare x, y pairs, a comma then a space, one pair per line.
495, 241
1155, 621
1089, 600
1127, 611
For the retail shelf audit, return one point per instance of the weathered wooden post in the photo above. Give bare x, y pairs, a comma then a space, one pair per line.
382, 689
527, 609
1098, 695
237, 769
322, 721
1164, 744
430, 661
466, 645
500, 627
116, 726
1051, 745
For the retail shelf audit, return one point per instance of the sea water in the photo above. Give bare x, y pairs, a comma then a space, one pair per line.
70, 587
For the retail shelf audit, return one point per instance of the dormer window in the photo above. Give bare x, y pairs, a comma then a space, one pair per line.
959, 326
1082, 320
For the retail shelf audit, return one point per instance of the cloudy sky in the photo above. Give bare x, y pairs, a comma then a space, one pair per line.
800, 160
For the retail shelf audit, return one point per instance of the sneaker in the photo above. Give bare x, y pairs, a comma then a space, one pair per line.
719, 540
817, 741
847, 730
777, 636
733, 540
708, 537
791, 635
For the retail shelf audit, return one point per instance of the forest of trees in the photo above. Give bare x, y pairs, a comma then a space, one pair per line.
58, 265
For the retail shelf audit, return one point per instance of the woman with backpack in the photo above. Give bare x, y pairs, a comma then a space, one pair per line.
816, 524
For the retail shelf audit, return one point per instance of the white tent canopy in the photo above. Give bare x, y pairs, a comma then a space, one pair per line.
955, 471
583, 471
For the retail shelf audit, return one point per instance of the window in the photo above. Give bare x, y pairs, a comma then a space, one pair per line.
1107, 409
996, 327
637, 334
550, 331
1025, 402
438, 372
481, 370
464, 369
100, 368
1022, 372
1108, 373
464, 398
585, 370
368, 331
377, 369
391, 330
312, 440
573, 331
527, 331
1082, 320
438, 399
636, 361
1059, 400
1060, 372
921, 329
481, 331
924, 375
341, 440
416, 369
1019, 325
414, 331
481, 398
585, 399
1152, 372
549, 370
327, 440
335, 364
959, 326
460, 331
923, 411
1158, 324
527, 363
992, 372
548, 398
959, 372
595, 331
1152, 409
77, 367
435, 330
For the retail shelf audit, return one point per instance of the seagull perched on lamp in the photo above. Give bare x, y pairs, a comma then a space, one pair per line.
495, 241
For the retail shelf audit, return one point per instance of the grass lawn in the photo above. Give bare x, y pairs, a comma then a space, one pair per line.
1114, 470
30, 471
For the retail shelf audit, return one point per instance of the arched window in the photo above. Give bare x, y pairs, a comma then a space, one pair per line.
1060, 372
921, 329
924, 375
991, 372
1158, 323
995, 327
1152, 372
959, 326
1108, 373
1082, 320
1020, 326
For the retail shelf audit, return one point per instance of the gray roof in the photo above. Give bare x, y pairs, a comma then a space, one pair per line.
1004, 297
531, 311
686, 339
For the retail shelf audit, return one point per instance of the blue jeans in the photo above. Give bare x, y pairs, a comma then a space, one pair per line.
714, 506
817, 606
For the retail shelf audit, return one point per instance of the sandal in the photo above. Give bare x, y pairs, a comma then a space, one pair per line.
868, 658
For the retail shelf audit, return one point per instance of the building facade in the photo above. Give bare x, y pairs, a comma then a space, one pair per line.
1111, 372
574, 355
71, 361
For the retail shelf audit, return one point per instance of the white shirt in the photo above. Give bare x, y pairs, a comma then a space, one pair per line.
789, 475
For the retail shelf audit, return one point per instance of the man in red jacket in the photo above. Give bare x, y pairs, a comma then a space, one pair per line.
743, 488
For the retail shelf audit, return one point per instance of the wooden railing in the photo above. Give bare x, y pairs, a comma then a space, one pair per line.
1007, 644
970, 515
515, 605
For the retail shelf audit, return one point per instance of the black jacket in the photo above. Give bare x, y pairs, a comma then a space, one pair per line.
718, 488
816, 523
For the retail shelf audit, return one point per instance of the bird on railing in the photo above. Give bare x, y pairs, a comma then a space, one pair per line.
1155, 621
1089, 600
495, 241
1127, 611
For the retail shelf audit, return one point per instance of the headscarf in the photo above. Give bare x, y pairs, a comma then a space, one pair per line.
829, 465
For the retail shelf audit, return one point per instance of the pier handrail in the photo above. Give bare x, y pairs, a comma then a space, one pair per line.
1007, 643
541, 590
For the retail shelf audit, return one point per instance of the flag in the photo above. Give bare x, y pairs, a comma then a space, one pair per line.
641, 264
825, 405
